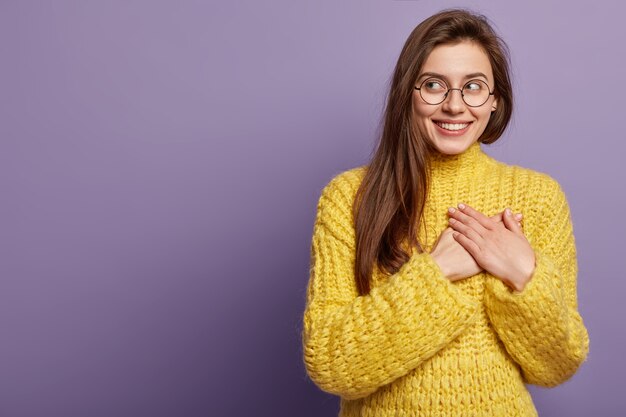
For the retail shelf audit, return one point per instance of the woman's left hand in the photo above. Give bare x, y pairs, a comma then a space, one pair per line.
498, 247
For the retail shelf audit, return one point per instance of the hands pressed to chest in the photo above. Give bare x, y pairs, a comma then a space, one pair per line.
476, 242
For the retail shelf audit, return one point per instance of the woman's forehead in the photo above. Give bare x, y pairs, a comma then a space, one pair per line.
458, 61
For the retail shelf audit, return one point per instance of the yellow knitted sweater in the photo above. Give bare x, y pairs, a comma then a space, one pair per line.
421, 345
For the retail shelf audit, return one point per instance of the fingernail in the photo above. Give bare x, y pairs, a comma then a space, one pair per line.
518, 216
461, 206
451, 210
507, 212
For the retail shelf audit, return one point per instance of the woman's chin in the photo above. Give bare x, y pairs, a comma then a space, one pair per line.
454, 146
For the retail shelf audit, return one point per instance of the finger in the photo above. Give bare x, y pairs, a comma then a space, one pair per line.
498, 218
511, 223
477, 215
466, 230
459, 216
469, 245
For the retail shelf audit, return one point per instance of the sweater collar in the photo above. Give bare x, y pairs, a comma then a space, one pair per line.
452, 165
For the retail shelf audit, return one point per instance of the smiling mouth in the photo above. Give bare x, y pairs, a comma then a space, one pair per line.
452, 126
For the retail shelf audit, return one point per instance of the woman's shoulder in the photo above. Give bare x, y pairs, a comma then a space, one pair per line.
527, 179
336, 199
344, 185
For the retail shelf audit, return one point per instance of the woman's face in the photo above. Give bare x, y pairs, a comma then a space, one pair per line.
452, 126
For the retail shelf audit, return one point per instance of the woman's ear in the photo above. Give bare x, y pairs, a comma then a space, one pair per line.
494, 105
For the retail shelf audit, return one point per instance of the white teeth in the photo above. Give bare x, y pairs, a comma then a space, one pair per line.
453, 126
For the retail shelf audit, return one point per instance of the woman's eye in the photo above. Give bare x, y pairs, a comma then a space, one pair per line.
473, 86
434, 85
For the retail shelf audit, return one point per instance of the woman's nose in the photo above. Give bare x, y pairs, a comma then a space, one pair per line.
453, 102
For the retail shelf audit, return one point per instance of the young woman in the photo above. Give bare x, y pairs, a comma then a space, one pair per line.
427, 296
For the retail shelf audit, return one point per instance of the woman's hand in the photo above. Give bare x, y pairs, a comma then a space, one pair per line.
453, 259
498, 247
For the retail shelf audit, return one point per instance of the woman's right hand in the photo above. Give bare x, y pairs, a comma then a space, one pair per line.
454, 261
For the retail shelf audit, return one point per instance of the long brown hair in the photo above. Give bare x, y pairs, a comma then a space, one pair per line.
389, 204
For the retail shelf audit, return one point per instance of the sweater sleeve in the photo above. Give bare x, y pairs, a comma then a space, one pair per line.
540, 326
354, 344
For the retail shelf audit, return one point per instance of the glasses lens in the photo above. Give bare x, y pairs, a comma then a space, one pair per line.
433, 90
475, 93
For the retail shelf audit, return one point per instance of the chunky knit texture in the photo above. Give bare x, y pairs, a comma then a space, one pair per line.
421, 345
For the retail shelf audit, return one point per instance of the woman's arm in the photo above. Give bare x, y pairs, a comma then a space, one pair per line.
355, 344
540, 326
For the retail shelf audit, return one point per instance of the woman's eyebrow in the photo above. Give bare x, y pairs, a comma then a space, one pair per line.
434, 74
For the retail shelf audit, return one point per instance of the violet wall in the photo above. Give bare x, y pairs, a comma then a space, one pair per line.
161, 161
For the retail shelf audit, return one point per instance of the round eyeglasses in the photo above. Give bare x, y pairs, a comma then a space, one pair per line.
475, 93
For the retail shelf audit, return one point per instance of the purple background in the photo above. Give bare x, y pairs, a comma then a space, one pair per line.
160, 166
